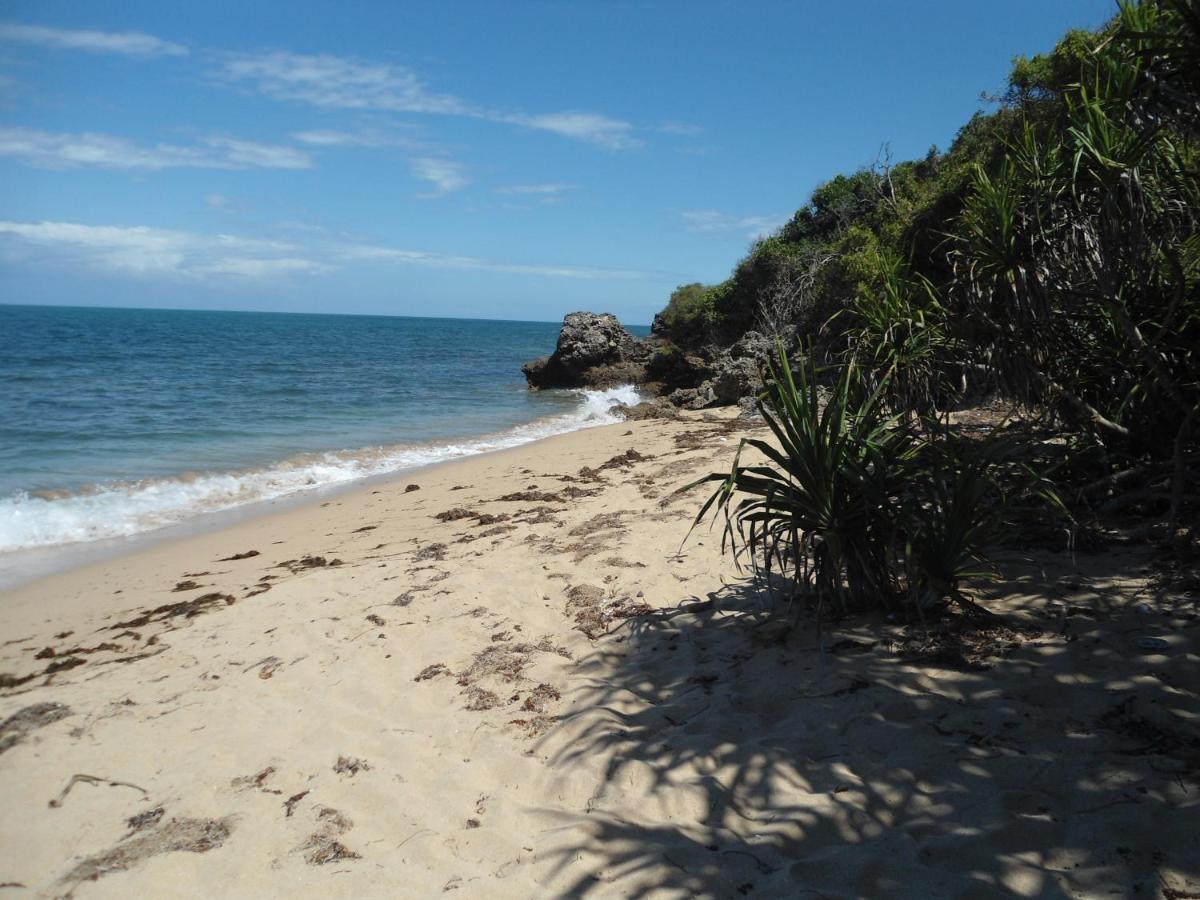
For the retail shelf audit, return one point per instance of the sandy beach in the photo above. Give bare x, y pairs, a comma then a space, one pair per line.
502, 677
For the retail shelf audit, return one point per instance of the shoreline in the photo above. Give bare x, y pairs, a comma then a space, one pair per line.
48, 560
516, 682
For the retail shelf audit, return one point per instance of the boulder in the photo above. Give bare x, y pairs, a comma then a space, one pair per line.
732, 379
735, 379
659, 408
700, 397
755, 346
593, 350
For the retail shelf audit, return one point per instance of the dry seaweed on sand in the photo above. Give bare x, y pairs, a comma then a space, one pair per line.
249, 554
453, 515
184, 609
624, 460
432, 671
501, 660
322, 847
963, 644
351, 765
435, 552
24, 722
256, 780
537, 515
541, 695
536, 725
177, 835
594, 610
144, 820
308, 562
600, 522
289, 804
531, 497
479, 699
103, 647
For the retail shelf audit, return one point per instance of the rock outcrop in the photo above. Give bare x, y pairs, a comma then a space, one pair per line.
734, 374
593, 350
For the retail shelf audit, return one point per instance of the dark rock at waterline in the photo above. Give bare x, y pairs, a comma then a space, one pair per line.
593, 350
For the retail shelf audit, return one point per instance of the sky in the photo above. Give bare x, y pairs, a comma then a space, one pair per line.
503, 160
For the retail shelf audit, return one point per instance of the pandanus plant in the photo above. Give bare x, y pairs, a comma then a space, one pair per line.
818, 505
857, 507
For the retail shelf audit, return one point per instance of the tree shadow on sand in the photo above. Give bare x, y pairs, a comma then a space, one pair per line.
1048, 756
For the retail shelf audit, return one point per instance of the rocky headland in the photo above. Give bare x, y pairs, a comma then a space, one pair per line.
595, 350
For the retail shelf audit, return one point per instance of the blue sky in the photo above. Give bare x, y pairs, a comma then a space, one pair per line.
485, 159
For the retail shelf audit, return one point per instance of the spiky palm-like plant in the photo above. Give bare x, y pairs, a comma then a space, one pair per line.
818, 507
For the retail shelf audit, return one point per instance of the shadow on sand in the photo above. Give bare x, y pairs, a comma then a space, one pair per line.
1049, 756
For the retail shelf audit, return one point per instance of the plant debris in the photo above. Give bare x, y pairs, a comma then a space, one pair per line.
351, 765
187, 609
323, 847
93, 780
290, 803
257, 780
479, 699
308, 562
531, 497
432, 671
144, 820
249, 554
178, 835
593, 610
23, 722
539, 697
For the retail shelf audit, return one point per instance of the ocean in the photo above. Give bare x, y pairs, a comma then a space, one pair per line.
117, 422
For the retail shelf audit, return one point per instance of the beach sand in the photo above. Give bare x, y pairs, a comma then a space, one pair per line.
513, 683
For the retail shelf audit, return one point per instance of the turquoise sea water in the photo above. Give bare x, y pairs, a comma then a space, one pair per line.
119, 421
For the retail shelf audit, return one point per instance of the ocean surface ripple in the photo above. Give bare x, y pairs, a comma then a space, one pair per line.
115, 422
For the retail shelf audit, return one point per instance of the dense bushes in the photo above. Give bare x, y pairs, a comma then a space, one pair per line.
1054, 253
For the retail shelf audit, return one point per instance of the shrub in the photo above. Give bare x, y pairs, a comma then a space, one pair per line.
857, 507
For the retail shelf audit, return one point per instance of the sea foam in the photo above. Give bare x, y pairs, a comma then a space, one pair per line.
130, 508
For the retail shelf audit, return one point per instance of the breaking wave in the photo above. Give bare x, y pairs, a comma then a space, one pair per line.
129, 508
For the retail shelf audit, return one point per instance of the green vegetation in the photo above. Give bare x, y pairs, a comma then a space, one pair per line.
861, 507
1052, 254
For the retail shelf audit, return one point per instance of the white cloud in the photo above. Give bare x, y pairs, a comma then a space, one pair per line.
250, 267
336, 82
445, 175
683, 128
541, 190
328, 137
712, 221
129, 43
591, 128
143, 251
139, 250
446, 261
54, 150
